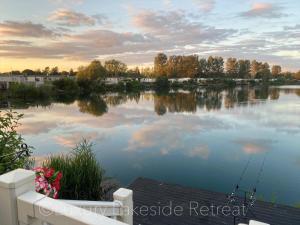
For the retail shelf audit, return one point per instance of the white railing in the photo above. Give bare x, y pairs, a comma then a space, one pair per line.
120, 208
21, 205
253, 222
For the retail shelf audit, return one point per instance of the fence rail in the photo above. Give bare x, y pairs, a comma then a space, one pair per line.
21, 205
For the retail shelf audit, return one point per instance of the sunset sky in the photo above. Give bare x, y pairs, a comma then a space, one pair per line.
70, 33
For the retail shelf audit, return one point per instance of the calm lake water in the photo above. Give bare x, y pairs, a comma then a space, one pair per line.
202, 139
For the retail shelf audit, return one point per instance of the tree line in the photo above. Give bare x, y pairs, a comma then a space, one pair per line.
179, 66
175, 66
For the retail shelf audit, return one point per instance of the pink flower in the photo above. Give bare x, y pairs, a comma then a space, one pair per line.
45, 182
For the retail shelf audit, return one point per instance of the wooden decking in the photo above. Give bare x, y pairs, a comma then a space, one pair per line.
150, 193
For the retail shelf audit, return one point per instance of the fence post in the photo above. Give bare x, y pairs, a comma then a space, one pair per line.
12, 185
125, 197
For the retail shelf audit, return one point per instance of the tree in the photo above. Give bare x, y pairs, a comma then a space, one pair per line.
38, 72
134, 72
147, 72
64, 73
189, 66
46, 71
297, 75
28, 72
15, 72
71, 72
255, 67
172, 66
10, 143
54, 71
264, 71
232, 67
244, 68
93, 71
115, 67
276, 70
160, 63
215, 65
202, 67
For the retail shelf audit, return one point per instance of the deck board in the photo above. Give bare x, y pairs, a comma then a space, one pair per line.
149, 193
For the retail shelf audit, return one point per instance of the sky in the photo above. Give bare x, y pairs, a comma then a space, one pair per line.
70, 33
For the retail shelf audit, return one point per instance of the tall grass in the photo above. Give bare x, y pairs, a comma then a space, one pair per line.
82, 174
28, 91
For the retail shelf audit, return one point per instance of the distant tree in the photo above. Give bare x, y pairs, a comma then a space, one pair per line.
71, 72
28, 72
46, 71
297, 75
255, 67
215, 65
232, 67
264, 72
147, 72
288, 75
244, 68
15, 72
172, 66
38, 72
160, 63
115, 67
93, 71
276, 70
54, 71
189, 66
202, 67
64, 73
134, 72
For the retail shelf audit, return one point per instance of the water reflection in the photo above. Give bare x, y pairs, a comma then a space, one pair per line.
94, 105
200, 139
174, 102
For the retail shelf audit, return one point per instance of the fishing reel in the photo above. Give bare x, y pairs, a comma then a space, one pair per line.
25, 149
232, 197
252, 198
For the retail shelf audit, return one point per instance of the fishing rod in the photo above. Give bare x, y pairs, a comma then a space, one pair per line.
258, 178
231, 197
247, 203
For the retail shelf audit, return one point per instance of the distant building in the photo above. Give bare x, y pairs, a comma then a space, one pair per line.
36, 80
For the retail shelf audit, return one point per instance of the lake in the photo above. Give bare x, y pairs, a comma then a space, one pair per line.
201, 139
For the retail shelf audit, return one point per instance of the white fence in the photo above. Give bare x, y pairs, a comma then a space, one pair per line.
21, 205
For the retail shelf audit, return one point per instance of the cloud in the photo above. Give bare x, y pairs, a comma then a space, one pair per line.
176, 28
292, 28
169, 31
86, 46
73, 138
15, 42
25, 29
205, 5
65, 17
199, 151
177, 129
255, 146
266, 10
67, 2
36, 127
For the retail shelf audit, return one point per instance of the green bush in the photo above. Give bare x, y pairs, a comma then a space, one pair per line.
86, 86
82, 175
28, 91
66, 85
133, 86
162, 83
11, 156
